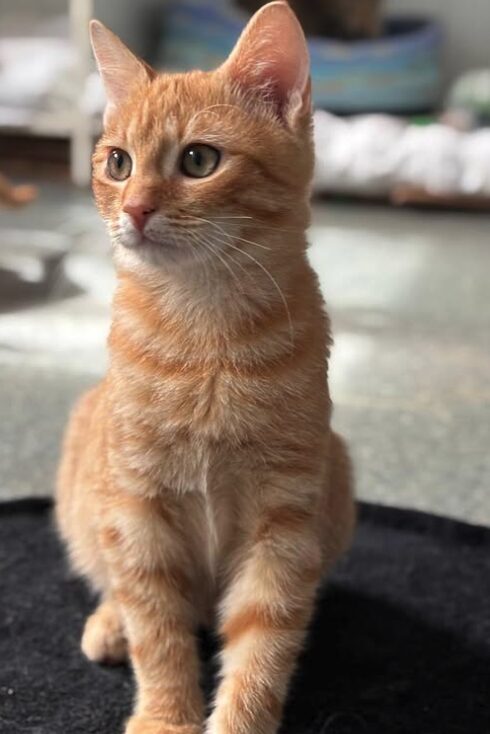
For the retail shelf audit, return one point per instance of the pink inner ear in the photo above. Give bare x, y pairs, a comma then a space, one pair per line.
119, 68
271, 55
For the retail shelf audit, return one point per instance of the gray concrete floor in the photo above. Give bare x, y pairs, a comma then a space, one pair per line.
408, 293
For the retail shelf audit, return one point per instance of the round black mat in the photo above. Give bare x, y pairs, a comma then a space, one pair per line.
400, 643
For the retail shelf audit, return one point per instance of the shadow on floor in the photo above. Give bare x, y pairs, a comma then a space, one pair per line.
17, 292
371, 668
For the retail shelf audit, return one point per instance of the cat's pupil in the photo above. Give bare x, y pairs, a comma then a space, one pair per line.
119, 165
196, 157
199, 160
119, 159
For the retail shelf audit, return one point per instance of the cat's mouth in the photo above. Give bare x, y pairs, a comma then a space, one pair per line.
187, 238
160, 249
143, 240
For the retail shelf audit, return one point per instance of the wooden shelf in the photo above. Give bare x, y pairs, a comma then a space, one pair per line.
76, 124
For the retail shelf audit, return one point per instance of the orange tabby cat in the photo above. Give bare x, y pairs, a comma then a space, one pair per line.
200, 481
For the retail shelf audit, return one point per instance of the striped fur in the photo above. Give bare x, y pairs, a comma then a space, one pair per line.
200, 482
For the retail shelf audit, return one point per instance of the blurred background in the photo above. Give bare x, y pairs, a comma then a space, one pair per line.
400, 234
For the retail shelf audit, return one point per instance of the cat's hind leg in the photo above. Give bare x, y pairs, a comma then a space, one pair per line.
338, 515
77, 510
104, 639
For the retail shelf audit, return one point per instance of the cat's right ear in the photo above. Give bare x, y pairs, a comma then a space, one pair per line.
271, 60
118, 67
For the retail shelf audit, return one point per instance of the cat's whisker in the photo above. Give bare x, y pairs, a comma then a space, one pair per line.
198, 241
249, 242
233, 216
259, 223
214, 251
260, 265
235, 237
204, 260
217, 244
217, 248
222, 258
273, 281
185, 221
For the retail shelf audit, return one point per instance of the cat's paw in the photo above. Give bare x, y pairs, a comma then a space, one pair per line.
148, 725
103, 639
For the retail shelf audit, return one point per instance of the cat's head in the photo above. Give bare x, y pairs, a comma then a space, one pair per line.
189, 164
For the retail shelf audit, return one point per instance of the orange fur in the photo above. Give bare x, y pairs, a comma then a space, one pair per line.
201, 478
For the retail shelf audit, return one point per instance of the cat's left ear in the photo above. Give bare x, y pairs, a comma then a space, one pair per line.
271, 58
119, 68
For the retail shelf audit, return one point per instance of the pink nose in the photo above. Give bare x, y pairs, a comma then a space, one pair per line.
139, 211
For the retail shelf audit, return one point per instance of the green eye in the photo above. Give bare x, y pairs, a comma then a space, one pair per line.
199, 160
119, 164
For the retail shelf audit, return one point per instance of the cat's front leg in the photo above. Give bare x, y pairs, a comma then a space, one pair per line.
266, 612
150, 577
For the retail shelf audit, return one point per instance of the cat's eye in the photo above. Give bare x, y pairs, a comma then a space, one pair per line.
119, 164
199, 160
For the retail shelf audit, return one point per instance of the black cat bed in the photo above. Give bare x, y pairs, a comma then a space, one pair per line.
400, 643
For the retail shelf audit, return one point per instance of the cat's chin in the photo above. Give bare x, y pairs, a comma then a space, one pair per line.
156, 254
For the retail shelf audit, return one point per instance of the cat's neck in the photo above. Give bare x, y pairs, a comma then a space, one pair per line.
211, 308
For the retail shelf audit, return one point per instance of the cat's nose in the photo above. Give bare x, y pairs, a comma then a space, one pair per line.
139, 211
